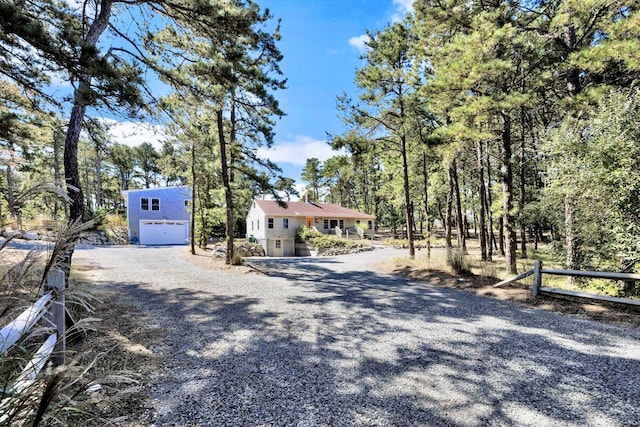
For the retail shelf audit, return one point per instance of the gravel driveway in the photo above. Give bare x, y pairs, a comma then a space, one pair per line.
331, 342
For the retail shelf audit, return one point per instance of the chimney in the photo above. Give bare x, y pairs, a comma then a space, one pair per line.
306, 197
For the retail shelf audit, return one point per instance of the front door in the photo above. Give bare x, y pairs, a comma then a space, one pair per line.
309, 222
278, 250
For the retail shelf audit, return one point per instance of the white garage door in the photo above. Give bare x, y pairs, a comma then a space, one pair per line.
163, 233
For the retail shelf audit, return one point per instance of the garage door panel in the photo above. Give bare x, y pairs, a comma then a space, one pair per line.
163, 232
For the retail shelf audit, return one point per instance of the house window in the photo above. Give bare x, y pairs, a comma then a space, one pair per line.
270, 223
342, 224
251, 225
278, 244
144, 203
258, 224
370, 224
326, 224
155, 204
357, 221
285, 223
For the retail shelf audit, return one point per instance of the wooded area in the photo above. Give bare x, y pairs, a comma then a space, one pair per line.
516, 118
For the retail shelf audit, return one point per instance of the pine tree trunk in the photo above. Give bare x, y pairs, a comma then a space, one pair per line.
573, 88
98, 169
447, 220
521, 198
227, 186
482, 232
71, 173
453, 177
407, 196
74, 127
425, 186
492, 244
501, 235
192, 225
507, 195
14, 211
57, 175
570, 236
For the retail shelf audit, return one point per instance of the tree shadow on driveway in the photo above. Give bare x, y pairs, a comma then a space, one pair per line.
319, 343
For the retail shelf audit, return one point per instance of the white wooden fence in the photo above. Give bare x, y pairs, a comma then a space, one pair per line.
48, 311
537, 287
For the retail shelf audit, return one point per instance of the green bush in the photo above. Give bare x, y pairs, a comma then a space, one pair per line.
305, 234
100, 218
323, 243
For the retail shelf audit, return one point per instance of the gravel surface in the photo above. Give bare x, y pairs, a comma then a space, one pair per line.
331, 342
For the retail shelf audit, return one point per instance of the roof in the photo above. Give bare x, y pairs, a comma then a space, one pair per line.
271, 207
181, 188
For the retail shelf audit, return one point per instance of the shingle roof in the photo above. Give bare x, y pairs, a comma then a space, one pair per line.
271, 207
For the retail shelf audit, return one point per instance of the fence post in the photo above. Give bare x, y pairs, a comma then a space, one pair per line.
56, 315
537, 278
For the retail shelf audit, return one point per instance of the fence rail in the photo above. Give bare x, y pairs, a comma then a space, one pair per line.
48, 309
537, 271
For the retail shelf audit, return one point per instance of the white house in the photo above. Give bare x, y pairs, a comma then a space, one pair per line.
275, 226
158, 216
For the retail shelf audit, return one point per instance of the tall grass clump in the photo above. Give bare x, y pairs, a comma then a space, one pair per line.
60, 395
458, 261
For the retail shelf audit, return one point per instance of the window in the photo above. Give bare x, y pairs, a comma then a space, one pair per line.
270, 223
370, 224
258, 224
251, 225
155, 204
285, 223
278, 244
144, 203
342, 224
326, 224
357, 221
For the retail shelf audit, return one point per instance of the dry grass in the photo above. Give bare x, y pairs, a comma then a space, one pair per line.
434, 270
107, 362
206, 259
120, 359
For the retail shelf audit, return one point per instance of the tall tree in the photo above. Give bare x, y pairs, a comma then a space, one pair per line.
232, 74
312, 175
147, 161
388, 83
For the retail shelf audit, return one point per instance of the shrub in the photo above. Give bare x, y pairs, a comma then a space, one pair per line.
305, 234
323, 243
458, 261
236, 259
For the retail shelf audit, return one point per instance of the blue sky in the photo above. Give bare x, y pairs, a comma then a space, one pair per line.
322, 41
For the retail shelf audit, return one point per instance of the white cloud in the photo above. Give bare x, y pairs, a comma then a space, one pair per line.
297, 152
404, 5
135, 133
360, 42
402, 8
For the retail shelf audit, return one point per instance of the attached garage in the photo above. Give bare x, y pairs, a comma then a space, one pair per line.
163, 232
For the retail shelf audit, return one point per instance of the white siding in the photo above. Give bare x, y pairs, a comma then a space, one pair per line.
256, 223
278, 231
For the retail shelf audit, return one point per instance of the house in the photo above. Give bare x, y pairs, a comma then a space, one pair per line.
275, 226
158, 216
